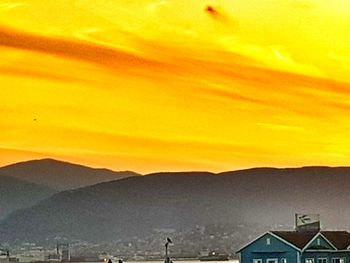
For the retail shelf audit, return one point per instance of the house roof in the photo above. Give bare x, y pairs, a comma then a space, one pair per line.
339, 239
296, 238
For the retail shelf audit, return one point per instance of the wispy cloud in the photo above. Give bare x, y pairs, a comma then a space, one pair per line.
7, 6
21, 72
73, 49
281, 127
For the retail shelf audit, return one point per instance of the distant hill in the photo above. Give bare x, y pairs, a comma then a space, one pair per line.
24, 184
16, 194
136, 206
60, 175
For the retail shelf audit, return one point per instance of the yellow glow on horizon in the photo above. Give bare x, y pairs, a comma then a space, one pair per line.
156, 85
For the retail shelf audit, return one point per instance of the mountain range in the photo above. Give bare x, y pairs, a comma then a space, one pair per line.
60, 175
24, 184
137, 206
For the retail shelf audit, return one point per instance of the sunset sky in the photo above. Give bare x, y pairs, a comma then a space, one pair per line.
169, 85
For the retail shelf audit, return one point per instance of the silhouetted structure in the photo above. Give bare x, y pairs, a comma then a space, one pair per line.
63, 252
167, 258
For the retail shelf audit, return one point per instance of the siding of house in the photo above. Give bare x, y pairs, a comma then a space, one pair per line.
323, 244
260, 249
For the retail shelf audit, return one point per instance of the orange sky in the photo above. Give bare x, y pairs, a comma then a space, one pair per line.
153, 85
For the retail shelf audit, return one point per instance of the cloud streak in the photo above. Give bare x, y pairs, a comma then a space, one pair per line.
30, 73
73, 49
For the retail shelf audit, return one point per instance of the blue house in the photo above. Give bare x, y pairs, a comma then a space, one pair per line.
298, 247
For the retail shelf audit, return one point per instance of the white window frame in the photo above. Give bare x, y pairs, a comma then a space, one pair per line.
284, 260
312, 260
326, 260
257, 260
268, 241
340, 258
274, 260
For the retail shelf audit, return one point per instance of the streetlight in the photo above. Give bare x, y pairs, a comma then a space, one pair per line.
167, 258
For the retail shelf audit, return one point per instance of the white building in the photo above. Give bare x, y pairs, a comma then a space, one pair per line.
32, 254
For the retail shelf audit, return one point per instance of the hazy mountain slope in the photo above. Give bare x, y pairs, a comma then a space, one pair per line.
16, 194
135, 206
132, 206
276, 194
60, 175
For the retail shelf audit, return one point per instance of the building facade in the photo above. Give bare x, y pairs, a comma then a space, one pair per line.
298, 247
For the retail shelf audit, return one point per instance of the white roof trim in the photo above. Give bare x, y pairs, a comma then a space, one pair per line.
328, 241
323, 250
239, 250
275, 236
314, 238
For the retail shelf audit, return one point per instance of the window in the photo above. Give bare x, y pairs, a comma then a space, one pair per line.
309, 260
268, 241
318, 242
257, 260
322, 260
283, 260
338, 260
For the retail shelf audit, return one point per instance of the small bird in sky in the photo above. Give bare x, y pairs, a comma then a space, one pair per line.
216, 13
211, 9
